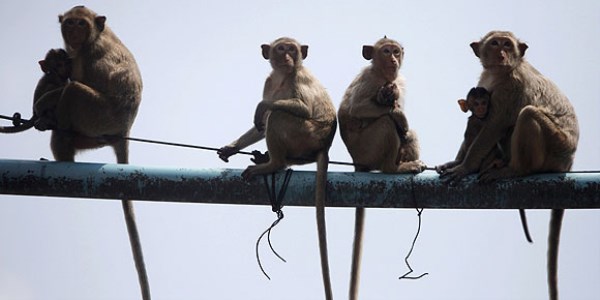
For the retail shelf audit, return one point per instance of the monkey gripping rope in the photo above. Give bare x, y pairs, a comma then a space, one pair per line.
276, 206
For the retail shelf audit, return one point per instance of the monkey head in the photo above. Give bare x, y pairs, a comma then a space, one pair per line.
478, 100
57, 62
386, 56
80, 26
499, 49
285, 54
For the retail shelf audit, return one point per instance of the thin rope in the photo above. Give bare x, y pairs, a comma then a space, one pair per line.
419, 212
276, 200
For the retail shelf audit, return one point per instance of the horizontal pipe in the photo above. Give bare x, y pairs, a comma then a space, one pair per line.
344, 189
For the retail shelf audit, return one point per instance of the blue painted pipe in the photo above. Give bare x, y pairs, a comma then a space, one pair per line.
344, 189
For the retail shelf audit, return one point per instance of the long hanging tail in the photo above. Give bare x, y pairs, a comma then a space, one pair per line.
321, 188
553, 242
524, 224
359, 221
136, 248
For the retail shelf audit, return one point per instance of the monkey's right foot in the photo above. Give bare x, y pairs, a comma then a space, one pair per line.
415, 166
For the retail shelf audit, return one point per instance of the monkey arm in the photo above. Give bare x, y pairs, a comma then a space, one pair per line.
47, 102
294, 106
250, 137
368, 109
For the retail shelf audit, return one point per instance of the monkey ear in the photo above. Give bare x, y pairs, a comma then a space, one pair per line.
463, 105
265, 50
43, 66
304, 51
100, 20
475, 47
367, 52
60, 18
522, 48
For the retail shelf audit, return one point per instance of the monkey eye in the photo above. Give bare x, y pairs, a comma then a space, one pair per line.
292, 49
494, 43
387, 51
69, 22
396, 52
507, 45
81, 23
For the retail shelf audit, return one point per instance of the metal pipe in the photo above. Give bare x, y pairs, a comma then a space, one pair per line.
344, 189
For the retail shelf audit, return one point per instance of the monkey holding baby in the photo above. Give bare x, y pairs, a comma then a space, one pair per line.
374, 128
98, 106
531, 118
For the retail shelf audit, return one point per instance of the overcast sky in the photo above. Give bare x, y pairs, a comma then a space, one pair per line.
203, 75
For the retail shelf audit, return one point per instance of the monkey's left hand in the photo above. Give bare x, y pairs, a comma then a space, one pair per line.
227, 151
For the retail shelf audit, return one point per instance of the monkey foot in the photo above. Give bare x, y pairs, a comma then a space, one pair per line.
495, 174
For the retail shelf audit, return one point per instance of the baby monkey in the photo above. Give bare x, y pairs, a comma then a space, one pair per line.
478, 102
57, 72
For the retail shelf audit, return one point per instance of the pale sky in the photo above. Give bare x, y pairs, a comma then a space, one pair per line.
203, 76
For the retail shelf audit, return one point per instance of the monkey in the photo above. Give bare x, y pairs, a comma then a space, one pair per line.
533, 115
56, 66
478, 102
98, 106
297, 118
375, 129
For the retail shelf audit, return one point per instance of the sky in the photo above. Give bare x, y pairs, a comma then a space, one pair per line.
203, 76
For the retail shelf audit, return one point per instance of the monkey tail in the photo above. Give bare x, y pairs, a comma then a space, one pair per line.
523, 216
321, 188
359, 221
553, 241
136, 248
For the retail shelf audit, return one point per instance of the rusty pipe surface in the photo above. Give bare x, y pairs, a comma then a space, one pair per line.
344, 189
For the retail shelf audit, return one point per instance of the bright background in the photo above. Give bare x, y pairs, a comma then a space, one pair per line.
203, 75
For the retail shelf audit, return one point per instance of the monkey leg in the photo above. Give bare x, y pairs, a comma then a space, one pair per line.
537, 145
62, 146
84, 110
376, 146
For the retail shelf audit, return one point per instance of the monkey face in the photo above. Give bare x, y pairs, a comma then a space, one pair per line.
285, 54
479, 107
75, 31
390, 56
499, 50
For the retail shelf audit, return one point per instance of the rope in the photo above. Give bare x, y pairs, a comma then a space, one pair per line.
276, 200
419, 212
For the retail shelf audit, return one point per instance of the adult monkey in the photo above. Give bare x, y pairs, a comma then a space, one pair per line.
533, 114
374, 128
100, 102
298, 120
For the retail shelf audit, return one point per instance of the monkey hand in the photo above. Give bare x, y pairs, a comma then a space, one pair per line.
260, 158
388, 94
44, 123
454, 175
227, 151
441, 169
